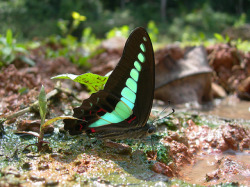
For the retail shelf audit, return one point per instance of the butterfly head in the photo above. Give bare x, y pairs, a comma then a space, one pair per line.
143, 132
151, 129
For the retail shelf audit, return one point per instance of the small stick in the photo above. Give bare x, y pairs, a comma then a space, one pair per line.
29, 109
68, 92
57, 90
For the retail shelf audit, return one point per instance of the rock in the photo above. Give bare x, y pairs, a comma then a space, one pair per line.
34, 177
180, 153
162, 168
243, 90
174, 51
245, 144
230, 136
119, 148
107, 60
218, 91
113, 44
231, 66
81, 169
51, 183
26, 166
10, 171
235, 135
77, 163
212, 176
186, 80
43, 166
234, 33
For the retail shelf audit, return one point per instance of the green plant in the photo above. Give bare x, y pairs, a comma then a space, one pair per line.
204, 19
163, 153
63, 24
89, 43
152, 31
241, 21
67, 47
10, 50
242, 45
118, 31
42, 101
221, 39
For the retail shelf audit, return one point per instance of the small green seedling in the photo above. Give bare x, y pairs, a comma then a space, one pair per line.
42, 100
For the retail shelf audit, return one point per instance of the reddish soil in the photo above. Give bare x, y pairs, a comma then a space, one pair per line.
200, 144
231, 67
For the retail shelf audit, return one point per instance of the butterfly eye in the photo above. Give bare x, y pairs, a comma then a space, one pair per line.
151, 129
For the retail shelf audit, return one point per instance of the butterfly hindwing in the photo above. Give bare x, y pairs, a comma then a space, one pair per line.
126, 100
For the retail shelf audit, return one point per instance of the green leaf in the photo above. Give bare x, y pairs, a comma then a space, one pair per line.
7, 51
50, 121
42, 105
65, 76
27, 60
219, 37
23, 90
9, 37
20, 49
118, 31
9, 59
93, 82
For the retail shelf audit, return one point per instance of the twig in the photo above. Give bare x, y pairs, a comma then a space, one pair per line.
57, 90
68, 92
31, 107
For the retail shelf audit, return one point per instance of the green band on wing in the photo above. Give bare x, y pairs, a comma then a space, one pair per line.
123, 110
134, 74
128, 94
131, 84
142, 46
144, 38
99, 122
141, 57
130, 105
137, 65
111, 117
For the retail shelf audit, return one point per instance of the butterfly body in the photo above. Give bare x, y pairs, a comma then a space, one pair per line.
122, 109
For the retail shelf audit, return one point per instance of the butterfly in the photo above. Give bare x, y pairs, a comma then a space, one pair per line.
122, 108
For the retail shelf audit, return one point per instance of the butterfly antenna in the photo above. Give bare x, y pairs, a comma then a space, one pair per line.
157, 119
173, 111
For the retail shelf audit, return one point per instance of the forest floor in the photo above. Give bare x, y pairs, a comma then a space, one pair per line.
188, 148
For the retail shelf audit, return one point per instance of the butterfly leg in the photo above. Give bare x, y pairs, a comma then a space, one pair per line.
154, 151
138, 144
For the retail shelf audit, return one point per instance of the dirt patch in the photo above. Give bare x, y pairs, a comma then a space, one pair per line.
202, 147
231, 66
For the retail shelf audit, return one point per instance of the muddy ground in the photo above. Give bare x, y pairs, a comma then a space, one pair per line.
187, 148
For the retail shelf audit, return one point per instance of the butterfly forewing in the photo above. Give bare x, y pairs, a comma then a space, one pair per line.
133, 78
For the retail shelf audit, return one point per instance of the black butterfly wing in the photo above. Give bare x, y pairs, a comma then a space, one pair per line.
146, 81
136, 67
